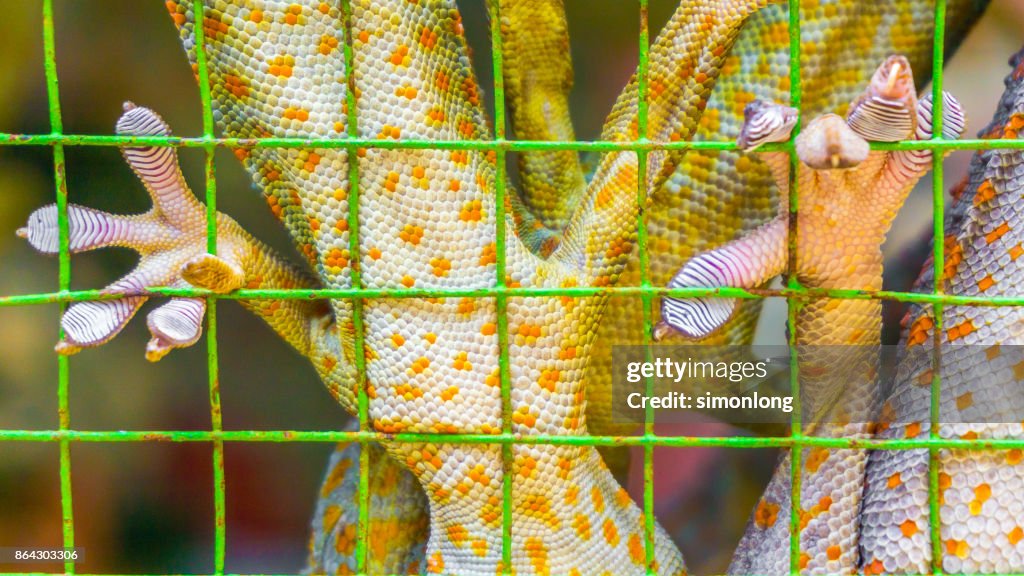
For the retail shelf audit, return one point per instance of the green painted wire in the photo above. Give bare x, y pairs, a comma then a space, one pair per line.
64, 273
938, 261
212, 356
793, 304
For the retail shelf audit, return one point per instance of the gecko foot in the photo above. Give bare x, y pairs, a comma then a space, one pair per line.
170, 239
744, 262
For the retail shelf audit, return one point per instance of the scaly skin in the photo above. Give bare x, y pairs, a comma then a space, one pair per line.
910, 31
713, 198
981, 508
848, 197
428, 220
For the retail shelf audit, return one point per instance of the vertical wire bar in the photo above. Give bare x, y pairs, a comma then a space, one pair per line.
793, 307
501, 300
63, 276
939, 233
356, 280
212, 364
643, 56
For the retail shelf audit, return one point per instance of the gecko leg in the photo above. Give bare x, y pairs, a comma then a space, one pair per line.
746, 262
849, 196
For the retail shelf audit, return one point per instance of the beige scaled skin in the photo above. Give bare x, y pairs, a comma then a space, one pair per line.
848, 197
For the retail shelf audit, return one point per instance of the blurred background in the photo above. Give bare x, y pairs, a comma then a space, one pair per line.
147, 507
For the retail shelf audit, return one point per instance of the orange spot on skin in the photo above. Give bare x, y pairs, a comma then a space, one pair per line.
397, 340
598, 499
581, 524
408, 92
954, 255
345, 542
336, 259
480, 548
471, 211
611, 533
986, 283
913, 430
488, 329
874, 568
440, 266
420, 364
957, 548
985, 193
1015, 535
919, 331
430, 337
1016, 251
961, 330
467, 306
457, 534
236, 86
292, 113
833, 552
894, 480
766, 514
549, 379
997, 233
411, 234
636, 549
964, 401
983, 492
428, 38
804, 560
537, 552
400, 57
908, 528
461, 362
449, 393
436, 563
523, 417
328, 44
282, 66
816, 458
374, 253
488, 255
1014, 457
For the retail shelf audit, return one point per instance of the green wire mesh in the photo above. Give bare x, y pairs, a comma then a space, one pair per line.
794, 293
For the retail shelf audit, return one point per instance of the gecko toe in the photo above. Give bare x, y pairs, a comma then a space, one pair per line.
90, 324
177, 324
213, 273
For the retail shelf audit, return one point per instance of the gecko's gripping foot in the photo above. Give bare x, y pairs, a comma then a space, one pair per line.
170, 239
698, 318
887, 111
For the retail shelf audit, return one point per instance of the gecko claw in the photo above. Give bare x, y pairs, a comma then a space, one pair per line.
170, 238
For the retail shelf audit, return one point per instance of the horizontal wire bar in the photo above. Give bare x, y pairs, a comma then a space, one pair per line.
517, 292
282, 574
542, 439
500, 144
